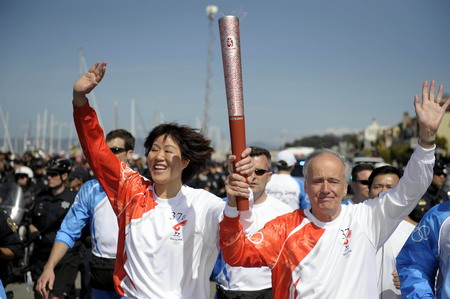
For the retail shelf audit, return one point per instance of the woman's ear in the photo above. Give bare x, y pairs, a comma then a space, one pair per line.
185, 163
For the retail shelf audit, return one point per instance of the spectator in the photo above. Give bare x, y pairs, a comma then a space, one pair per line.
283, 186
77, 177
360, 182
381, 180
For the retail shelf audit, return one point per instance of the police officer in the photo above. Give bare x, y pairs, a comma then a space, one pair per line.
434, 195
51, 205
11, 248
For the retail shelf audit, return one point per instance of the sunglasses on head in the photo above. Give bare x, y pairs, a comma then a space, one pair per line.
259, 171
363, 182
117, 150
52, 173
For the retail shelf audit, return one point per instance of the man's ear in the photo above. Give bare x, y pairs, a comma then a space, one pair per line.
345, 190
306, 186
130, 154
270, 176
64, 176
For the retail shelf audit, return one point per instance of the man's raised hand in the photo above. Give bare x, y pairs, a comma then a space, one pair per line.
430, 112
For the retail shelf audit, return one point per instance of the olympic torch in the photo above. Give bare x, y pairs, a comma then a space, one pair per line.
232, 69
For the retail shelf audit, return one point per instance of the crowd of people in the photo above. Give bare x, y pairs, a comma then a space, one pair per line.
167, 230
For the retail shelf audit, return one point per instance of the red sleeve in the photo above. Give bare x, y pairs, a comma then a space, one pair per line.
106, 166
260, 249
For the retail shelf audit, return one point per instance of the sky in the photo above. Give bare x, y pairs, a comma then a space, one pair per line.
309, 66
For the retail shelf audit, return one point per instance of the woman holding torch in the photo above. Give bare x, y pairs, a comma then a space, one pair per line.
168, 232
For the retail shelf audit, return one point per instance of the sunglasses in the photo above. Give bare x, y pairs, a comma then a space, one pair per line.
52, 173
21, 176
363, 182
259, 171
117, 150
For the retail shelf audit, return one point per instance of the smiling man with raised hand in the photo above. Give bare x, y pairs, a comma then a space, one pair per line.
309, 251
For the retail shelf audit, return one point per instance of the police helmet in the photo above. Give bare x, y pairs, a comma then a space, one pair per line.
24, 170
60, 165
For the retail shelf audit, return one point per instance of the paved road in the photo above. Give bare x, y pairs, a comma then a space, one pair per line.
20, 291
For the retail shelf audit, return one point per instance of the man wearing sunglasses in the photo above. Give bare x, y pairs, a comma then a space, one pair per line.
239, 282
360, 183
24, 178
51, 205
92, 207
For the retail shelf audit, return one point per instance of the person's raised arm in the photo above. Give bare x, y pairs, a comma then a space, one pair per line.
430, 113
398, 202
86, 83
107, 168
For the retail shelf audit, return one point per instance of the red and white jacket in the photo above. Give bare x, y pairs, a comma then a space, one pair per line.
166, 247
314, 259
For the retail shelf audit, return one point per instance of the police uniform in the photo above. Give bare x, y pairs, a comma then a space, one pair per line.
429, 200
9, 238
48, 213
434, 195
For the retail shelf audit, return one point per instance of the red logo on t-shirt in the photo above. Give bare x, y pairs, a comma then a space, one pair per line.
179, 225
349, 234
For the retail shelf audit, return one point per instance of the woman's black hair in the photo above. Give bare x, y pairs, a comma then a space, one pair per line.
193, 146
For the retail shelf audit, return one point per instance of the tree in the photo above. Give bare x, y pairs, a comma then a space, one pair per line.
316, 141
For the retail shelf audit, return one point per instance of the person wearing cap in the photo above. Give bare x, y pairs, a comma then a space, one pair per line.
77, 177
24, 178
8, 167
285, 187
51, 206
40, 179
23, 175
311, 251
434, 195
92, 207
